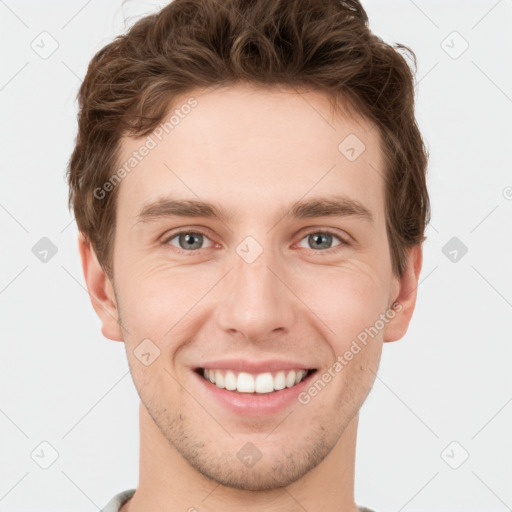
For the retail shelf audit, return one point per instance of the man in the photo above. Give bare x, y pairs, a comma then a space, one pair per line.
249, 186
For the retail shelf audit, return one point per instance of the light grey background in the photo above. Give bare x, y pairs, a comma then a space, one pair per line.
442, 391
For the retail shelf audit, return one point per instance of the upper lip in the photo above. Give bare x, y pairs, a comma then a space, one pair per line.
244, 365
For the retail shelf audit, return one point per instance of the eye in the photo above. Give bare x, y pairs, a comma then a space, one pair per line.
322, 240
192, 241
188, 241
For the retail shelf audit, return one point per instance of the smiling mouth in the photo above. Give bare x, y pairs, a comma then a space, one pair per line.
260, 383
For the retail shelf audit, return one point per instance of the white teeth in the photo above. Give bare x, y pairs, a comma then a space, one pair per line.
290, 379
230, 381
264, 383
219, 379
279, 381
300, 375
244, 382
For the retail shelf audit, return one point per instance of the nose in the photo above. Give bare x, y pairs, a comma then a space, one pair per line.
256, 300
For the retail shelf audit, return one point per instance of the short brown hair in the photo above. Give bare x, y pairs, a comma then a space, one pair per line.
322, 44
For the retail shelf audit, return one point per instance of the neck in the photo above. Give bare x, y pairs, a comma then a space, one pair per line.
168, 482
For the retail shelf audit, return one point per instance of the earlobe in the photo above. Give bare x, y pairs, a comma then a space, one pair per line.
100, 291
406, 297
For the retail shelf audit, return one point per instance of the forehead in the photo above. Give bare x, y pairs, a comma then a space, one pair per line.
253, 146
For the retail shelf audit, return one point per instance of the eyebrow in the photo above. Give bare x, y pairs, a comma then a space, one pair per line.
334, 206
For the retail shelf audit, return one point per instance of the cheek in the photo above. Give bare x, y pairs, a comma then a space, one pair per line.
156, 302
347, 300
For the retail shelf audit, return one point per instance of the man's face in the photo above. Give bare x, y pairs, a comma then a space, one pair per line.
257, 286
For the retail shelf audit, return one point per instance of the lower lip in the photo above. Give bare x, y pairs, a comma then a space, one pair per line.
249, 404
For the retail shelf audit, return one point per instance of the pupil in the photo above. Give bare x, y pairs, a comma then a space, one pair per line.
317, 240
189, 239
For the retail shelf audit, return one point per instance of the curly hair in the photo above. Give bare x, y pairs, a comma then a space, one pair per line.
321, 44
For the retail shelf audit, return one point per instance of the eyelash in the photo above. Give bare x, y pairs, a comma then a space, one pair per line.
167, 239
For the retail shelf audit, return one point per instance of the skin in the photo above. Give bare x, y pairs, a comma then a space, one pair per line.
254, 152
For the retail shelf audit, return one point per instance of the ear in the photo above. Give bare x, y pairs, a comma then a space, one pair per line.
100, 290
405, 295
